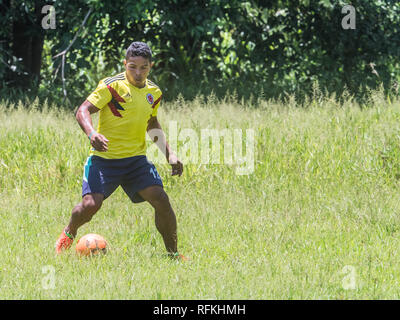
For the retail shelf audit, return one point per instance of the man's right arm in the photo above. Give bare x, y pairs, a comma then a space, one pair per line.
83, 116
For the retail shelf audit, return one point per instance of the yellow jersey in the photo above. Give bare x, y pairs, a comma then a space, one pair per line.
124, 112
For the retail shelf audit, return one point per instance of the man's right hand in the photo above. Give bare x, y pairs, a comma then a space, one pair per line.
99, 142
83, 116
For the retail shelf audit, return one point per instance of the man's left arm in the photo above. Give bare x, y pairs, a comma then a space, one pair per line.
158, 137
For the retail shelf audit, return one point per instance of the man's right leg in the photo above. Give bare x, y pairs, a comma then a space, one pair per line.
84, 211
81, 213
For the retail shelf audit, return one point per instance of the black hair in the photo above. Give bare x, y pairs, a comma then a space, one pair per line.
138, 49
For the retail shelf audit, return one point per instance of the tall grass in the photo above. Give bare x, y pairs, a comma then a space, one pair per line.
317, 219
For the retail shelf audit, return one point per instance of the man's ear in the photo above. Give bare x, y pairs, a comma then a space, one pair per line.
125, 62
152, 64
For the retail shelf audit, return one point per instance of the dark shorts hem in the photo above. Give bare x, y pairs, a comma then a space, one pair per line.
136, 198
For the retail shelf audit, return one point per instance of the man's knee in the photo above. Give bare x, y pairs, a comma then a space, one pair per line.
156, 196
91, 203
161, 200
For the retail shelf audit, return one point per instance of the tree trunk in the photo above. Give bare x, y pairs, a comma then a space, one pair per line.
27, 44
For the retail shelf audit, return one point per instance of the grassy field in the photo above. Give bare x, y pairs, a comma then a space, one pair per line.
318, 218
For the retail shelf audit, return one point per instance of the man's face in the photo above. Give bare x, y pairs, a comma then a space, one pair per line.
137, 69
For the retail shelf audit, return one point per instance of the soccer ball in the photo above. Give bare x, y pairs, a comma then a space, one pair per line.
91, 244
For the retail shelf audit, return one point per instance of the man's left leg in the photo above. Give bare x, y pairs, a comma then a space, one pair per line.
165, 218
143, 183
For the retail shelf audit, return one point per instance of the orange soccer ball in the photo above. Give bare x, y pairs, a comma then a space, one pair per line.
91, 244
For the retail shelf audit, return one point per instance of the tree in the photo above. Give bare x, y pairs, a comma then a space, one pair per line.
275, 47
22, 38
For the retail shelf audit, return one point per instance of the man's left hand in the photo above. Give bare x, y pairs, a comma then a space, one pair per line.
176, 164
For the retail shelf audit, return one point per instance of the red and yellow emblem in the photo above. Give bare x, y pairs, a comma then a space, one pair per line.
150, 98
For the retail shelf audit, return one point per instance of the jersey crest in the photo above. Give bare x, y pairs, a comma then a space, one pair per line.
150, 98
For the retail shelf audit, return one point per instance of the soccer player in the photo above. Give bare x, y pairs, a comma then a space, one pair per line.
128, 104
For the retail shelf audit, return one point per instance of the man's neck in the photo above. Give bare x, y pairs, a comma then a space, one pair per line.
135, 84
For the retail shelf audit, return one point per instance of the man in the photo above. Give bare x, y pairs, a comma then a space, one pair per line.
128, 104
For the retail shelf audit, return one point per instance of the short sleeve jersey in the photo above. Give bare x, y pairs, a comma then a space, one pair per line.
124, 113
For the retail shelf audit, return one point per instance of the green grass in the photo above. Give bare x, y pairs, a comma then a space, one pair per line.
323, 198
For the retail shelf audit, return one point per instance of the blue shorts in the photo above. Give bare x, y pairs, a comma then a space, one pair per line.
106, 175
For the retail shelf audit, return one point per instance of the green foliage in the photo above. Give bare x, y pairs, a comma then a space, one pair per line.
276, 48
